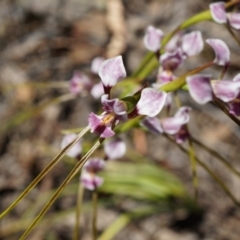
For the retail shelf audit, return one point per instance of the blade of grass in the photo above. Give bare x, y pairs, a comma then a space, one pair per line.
45, 171
74, 171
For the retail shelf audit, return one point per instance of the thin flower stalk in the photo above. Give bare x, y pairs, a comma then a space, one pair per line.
74, 171
45, 171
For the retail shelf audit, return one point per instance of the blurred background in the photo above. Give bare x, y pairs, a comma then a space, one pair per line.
41, 44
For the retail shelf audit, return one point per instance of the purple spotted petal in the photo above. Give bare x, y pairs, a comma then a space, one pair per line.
200, 88
234, 20
76, 150
96, 62
151, 102
79, 82
222, 53
91, 181
111, 71
171, 60
192, 43
94, 165
218, 12
115, 148
152, 39
97, 90
226, 90
173, 124
152, 124
98, 126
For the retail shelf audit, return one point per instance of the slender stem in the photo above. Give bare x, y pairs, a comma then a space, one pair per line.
210, 172
45, 171
193, 167
74, 171
80, 194
94, 217
217, 155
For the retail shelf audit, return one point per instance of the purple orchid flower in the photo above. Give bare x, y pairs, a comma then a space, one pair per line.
115, 148
89, 178
115, 110
173, 125
152, 39
79, 83
76, 150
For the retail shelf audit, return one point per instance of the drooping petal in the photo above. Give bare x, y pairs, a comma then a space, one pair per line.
222, 53
97, 90
115, 148
192, 43
226, 90
99, 126
94, 165
218, 12
151, 102
91, 181
96, 62
111, 71
171, 60
173, 124
76, 150
234, 20
152, 39
152, 124
79, 82
200, 88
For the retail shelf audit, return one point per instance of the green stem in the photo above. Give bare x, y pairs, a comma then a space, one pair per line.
210, 172
76, 235
45, 171
94, 217
217, 156
74, 171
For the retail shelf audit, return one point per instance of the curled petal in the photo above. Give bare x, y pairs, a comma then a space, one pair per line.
200, 88
222, 53
96, 62
171, 60
99, 126
192, 43
218, 12
226, 90
94, 165
173, 124
152, 124
79, 82
111, 71
151, 102
91, 181
234, 20
115, 148
97, 90
152, 39
76, 150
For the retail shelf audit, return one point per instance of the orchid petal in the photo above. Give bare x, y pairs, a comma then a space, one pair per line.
226, 90
76, 150
97, 90
200, 88
96, 62
192, 43
115, 148
90, 181
111, 71
151, 102
218, 12
236, 78
94, 165
173, 124
170, 61
222, 53
152, 124
234, 20
79, 82
152, 39
182, 135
